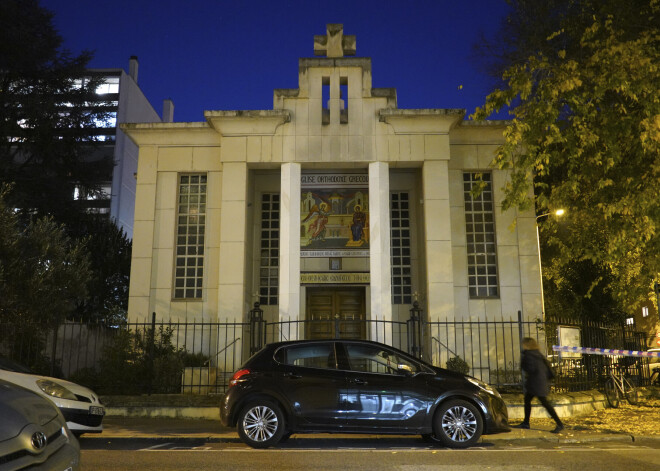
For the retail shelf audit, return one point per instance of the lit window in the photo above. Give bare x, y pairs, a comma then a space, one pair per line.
480, 233
103, 193
270, 241
630, 321
111, 85
109, 121
645, 311
191, 228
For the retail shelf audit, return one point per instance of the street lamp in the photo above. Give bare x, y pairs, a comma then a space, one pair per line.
558, 212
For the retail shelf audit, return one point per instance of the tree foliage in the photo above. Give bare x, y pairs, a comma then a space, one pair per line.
110, 257
46, 149
43, 273
585, 99
48, 112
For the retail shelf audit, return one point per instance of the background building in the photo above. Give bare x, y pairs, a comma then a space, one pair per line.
335, 204
124, 102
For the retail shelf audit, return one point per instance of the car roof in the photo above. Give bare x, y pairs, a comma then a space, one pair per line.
296, 342
275, 345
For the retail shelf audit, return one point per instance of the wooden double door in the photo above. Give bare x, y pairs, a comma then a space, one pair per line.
336, 312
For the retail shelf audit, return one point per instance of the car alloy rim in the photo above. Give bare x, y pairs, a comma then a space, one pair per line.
260, 423
459, 423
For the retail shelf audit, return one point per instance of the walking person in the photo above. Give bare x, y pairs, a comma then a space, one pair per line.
536, 378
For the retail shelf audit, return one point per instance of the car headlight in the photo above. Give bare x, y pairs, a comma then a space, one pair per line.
486, 387
55, 389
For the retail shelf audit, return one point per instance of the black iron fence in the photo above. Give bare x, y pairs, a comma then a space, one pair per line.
155, 356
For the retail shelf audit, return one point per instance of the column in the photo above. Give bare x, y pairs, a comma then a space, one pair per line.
379, 244
439, 263
231, 279
289, 283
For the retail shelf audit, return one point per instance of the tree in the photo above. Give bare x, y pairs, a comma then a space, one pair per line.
46, 150
110, 257
43, 273
585, 101
48, 112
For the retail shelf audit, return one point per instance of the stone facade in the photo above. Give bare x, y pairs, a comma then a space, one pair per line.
334, 129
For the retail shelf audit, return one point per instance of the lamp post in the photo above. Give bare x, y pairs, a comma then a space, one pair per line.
557, 212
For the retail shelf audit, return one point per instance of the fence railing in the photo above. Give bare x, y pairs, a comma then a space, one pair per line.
200, 357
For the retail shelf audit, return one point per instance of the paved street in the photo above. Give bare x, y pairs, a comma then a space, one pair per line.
405, 454
178, 444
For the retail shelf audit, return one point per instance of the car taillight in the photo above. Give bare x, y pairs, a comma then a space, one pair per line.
237, 376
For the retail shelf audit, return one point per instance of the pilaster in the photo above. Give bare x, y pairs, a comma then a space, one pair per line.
231, 292
379, 243
439, 263
289, 280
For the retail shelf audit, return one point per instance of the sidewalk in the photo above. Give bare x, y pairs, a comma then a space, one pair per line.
208, 407
123, 428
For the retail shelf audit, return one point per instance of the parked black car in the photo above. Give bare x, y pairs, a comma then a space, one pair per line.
356, 386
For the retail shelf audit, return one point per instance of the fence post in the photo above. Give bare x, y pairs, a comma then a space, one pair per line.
415, 331
53, 351
152, 347
256, 328
521, 333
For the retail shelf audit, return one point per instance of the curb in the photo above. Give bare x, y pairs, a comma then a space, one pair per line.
487, 439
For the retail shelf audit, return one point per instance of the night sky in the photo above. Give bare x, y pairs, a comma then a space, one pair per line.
230, 55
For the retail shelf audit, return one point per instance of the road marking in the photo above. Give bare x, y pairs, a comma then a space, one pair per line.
155, 447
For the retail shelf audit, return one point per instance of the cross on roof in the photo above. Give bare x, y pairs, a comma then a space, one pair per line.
334, 44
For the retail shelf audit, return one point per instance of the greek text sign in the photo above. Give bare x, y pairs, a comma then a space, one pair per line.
334, 278
334, 180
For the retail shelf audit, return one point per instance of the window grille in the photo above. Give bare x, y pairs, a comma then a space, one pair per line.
480, 232
191, 224
400, 250
270, 249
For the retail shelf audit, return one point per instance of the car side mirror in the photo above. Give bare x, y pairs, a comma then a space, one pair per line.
405, 370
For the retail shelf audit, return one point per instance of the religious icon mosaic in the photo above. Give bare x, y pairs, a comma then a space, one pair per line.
334, 216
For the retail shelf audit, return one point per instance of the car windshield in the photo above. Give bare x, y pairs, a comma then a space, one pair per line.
10, 365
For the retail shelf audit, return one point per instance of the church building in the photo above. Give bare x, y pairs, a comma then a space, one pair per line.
335, 204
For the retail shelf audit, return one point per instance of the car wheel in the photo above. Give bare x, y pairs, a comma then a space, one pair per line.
261, 424
458, 424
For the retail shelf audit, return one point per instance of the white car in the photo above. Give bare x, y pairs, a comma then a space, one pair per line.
79, 405
33, 434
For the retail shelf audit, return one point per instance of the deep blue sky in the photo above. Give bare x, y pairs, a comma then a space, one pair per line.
226, 55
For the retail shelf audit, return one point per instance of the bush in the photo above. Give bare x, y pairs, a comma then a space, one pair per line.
140, 362
508, 376
458, 364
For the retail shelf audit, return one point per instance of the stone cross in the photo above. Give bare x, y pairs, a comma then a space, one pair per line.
334, 44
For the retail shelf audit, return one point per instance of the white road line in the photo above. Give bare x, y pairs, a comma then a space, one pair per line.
155, 447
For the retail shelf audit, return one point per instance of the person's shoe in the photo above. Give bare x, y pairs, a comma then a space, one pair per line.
524, 425
558, 429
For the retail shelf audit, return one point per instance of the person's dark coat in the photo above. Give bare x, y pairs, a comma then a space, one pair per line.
536, 374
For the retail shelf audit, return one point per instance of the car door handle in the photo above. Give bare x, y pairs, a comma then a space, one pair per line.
358, 381
292, 375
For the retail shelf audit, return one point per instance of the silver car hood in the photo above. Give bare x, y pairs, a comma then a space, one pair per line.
18, 407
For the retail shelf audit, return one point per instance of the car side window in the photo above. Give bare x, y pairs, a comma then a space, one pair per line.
317, 355
372, 359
